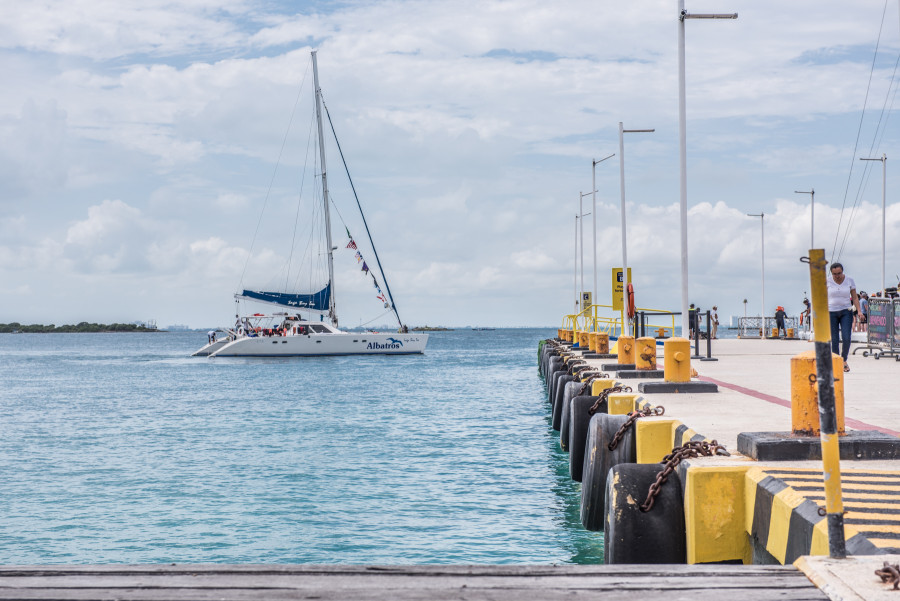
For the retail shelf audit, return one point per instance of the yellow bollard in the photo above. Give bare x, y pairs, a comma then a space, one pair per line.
592, 342
599, 385
626, 350
645, 353
677, 360
790, 332
774, 332
805, 394
661, 333
584, 340
602, 342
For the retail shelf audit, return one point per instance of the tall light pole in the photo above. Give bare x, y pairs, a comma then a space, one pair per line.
762, 315
883, 160
575, 279
682, 147
622, 132
582, 214
812, 215
594, 164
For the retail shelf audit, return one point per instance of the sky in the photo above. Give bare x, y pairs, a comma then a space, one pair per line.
140, 142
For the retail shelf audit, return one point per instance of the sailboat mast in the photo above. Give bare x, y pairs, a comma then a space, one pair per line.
332, 306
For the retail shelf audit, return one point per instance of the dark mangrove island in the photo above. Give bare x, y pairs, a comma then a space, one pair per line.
36, 328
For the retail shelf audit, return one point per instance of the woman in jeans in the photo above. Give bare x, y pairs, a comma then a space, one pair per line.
841, 297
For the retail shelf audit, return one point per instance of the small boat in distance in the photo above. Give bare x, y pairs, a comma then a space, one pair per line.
287, 333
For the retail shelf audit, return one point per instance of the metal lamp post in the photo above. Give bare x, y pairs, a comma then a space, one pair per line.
594, 164
883, 160
762, 315
682, 147
622, 132
812, 215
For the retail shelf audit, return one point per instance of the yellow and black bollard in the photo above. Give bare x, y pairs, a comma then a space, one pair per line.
831, 458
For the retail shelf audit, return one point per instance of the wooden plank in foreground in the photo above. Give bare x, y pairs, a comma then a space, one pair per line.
405, 583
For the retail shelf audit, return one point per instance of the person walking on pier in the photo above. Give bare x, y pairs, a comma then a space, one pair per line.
841, 300
714, 326
779, 320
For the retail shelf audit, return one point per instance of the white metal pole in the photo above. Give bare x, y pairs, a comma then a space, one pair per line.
594, 214
682, 152
883, 160
624, 244
762, 315
812, 214
762, 221
575, 275
581, 241
594, 224
883, 218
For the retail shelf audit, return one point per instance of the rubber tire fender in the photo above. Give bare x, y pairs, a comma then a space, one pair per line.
551, 378
632, 536
597, 461
579, 419
561, 413
558, 396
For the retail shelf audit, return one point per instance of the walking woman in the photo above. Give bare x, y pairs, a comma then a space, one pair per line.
841, 297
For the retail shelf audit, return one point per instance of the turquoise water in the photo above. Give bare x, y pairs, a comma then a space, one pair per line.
120, 448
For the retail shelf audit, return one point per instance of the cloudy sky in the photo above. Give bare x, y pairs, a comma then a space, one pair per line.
138, 142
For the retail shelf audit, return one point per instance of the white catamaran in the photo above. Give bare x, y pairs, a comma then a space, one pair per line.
287, 333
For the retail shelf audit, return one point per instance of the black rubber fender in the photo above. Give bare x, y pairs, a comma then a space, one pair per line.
597, 461
554, 381
579, 418
551, 378
632, 536
556, 401
560, 410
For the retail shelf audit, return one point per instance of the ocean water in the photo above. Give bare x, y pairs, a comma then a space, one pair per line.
120, 448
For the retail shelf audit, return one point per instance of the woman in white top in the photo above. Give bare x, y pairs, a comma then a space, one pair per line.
841, 297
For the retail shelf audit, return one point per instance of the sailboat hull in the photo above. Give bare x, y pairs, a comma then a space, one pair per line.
317, 345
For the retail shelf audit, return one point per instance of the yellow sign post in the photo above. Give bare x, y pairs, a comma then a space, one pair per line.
618, 287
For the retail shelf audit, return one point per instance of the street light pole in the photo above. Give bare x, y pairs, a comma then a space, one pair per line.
762, 316
682, 147
594, 164
812, 215
582, 215
575, 279
622, 132
883, 160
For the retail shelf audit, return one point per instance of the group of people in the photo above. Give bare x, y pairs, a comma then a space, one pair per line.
694, 321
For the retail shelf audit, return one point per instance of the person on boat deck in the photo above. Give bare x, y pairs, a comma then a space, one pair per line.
211, 336
842, 299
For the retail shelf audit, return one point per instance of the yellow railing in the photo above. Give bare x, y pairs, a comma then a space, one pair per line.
589, 320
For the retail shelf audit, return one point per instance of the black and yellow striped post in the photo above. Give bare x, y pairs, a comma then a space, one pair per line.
831, 458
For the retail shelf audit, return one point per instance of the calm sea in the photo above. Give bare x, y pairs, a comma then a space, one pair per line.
120, 448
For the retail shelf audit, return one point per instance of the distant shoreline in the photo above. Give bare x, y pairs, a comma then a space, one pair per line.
80, 328
431, 329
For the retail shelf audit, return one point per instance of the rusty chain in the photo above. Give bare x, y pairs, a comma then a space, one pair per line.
603, 397
890, 574
686, 451
632, 417
594, 375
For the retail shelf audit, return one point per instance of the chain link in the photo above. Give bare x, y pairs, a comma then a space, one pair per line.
686, 451
594, 375
632, 417
603, 397
890, 574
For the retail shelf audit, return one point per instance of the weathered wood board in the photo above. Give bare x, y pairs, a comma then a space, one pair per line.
403, 583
